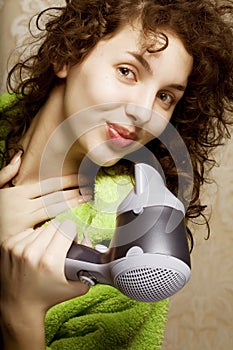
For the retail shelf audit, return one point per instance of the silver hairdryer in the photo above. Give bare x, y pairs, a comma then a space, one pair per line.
148, 258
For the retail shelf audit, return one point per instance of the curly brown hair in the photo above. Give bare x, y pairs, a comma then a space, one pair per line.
202, 117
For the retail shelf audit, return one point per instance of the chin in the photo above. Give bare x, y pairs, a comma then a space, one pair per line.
103, 158
104, 162
111, 162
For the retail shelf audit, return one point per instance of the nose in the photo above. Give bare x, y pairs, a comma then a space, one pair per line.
140, 110
139, 114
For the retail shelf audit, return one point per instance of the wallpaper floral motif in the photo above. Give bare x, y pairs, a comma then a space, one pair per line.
29, 8
201, 315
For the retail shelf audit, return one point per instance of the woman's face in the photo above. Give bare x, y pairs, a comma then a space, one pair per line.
128, 94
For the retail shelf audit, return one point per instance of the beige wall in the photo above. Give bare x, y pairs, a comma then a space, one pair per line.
201, 315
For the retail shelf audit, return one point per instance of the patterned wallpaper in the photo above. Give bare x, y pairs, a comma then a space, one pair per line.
201, 315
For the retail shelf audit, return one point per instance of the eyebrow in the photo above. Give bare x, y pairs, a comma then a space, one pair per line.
178, 87
147, 67
141, 60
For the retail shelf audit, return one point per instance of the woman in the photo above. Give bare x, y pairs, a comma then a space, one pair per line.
124, 69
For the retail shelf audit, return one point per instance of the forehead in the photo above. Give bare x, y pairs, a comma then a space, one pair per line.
131, 34
151, 41
131, 39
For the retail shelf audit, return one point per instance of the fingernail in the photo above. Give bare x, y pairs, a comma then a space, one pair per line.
16, 158
86, 241
85, 199
69, 229
88, 198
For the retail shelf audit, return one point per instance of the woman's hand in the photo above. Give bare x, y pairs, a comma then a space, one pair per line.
26, 206
32, 266
33, 279
10, 171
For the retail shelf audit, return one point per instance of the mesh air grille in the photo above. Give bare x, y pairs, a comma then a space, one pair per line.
149, 284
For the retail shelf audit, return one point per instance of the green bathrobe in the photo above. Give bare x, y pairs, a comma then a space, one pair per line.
104, 318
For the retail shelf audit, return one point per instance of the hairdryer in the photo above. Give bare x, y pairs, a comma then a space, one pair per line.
148, 257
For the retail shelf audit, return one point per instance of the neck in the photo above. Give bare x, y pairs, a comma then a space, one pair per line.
45, 156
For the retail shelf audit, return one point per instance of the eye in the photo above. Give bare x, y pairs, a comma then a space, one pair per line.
127, 73
166, 98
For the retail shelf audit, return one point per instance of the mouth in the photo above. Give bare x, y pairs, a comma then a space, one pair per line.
120, 136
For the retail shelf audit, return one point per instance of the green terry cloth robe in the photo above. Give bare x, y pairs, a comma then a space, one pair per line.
104, 318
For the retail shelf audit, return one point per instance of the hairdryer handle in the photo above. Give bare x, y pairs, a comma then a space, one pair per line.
84, 253
87, 265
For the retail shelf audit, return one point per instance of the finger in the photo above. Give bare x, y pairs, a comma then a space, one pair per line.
52, 211
51, 207
61, 242
86, 191
11, 241
17, 246
53, 185
86, 241
64, 196
11, 249
30, 246
10, 171
49, 248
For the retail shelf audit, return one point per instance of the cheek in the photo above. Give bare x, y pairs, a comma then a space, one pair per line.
86, 92
102, 89
157, 125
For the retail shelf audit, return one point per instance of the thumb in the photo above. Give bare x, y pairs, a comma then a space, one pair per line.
10, 171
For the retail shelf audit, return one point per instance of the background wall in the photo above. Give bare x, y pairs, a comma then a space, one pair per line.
201, 315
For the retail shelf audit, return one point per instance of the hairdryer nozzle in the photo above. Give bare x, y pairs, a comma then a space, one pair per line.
156, 278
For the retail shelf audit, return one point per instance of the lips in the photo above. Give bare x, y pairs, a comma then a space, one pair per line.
120, 136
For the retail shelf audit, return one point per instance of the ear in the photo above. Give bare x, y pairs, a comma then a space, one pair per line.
62, 72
